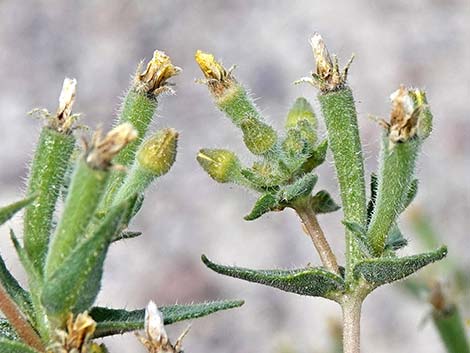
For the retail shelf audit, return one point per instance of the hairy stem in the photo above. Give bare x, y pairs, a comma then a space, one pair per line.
351, 306
309, 220
16, 318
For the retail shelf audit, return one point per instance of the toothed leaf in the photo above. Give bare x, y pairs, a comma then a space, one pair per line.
300, 188
118, 321
74, 286
323, 203
10, 346
315, 282
9, 211
380, 271
20, 296
264, 204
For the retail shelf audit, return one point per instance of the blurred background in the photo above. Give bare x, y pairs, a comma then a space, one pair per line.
422, 43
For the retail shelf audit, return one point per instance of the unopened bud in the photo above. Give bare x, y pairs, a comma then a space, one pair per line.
157, 154
222, 165
301, 110
259, 137
293, 143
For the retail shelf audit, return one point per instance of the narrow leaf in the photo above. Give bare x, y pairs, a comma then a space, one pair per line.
126, 235
360, 234
7, 331
20, 296
380, 271
322, 202
300, 188
9, 211
373, 196
264, 204
10, 346
317, 157
118, 321
75, 284
310, 281
395, 239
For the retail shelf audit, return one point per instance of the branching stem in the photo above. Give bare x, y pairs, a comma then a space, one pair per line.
16, 318
309, 220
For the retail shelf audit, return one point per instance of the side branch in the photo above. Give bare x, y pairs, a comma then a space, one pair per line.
16, 318
312, 227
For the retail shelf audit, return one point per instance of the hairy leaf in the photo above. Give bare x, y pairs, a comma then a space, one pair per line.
118, 321
264, 204
322, 202
379, 271
410, 196
74, 286
10, 346
395, 239
20, 296
9, 211
7, 331
126, 235
317, 157
300, 188
360, 235
310, 281
373, 196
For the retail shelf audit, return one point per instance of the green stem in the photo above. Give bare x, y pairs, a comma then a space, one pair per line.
450, 326
396, 171
237, 105
46, 180
85, 193
351, 306
343, 136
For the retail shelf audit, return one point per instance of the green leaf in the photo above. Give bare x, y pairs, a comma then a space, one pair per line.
9, 211
75, 284
20, 296
7, 331
310, 281
373, 196
317, 157
361, 236
300, 188
264, 204
323, 203
9, 346
379, 271
410, 196
395, 239
118, 321
126, 235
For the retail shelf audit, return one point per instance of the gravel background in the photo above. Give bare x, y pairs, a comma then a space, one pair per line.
422, 43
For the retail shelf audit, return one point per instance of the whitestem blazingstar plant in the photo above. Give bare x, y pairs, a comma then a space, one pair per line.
64, 258
284, 176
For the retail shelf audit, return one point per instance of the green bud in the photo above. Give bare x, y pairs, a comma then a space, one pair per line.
307, 132
301, 110
259, 137
293, 143
222, 165
157, 154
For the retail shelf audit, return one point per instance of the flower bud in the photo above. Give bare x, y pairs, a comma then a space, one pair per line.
259, 137
222, 165
157, 154
301, 110
293, 143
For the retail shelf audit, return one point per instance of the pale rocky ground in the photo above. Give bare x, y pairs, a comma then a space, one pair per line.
423, 43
